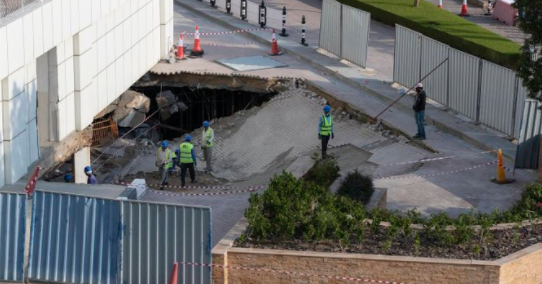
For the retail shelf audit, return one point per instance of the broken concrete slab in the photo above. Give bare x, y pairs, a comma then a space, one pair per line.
131, 119
301, 166
134, 100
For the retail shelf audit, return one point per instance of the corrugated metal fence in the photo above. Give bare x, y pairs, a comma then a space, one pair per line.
79, 239
344, 31
485, 92
527, 153
12, 236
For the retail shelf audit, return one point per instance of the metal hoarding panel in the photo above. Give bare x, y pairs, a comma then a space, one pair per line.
12, 236
464, 73
497, 97
436, 84
236, 8
355, 35
74, 239
407, 59
330, 27
520, 107
157, 235
529, 136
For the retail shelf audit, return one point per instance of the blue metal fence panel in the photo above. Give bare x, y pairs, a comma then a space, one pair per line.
527, 153
12, 236
157, 235
75, 239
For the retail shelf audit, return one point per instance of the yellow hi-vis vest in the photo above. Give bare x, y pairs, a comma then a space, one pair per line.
325, 129
169, 156
186, 152
208, 137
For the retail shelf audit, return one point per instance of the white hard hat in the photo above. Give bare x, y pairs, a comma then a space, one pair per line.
419, 85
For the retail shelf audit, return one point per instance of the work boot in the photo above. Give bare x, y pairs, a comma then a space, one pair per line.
194, 181
416, 136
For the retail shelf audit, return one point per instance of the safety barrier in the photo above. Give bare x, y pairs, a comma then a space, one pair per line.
79, 239
344, 31
12, 236
527, 154
483, 91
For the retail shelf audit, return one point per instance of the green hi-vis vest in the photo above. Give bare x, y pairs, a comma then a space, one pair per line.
208, 137
325, 129
168, 157
186, 153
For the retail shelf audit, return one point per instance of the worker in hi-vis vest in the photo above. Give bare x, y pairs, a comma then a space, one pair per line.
207, 142
325, 129
187, 160
165, 162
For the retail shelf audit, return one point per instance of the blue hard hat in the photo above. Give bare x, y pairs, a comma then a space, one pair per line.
164, 144
88, 170
206, 123
188, 137
68, 177
327, 108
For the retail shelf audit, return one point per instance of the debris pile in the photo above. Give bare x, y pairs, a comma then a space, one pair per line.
128, 110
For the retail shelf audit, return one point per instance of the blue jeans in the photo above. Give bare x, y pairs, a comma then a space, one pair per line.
419, 121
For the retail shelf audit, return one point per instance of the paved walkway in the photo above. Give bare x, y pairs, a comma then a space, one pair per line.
428, 186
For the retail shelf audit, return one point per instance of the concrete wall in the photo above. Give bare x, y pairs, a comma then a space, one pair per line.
522, 267
72, 58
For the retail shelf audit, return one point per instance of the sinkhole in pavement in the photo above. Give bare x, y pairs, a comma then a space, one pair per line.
185, 108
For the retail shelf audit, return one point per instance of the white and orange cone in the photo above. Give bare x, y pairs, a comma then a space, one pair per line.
464, 9
180, 49
197, 50
440, 4
274, 45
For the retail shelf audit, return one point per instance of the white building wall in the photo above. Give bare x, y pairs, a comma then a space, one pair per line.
95, 49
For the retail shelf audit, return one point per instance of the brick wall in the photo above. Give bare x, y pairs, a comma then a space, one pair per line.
372, 267
522, 267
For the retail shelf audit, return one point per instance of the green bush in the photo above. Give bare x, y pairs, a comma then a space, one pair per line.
324, 172
297, 209
357, 186
443, 26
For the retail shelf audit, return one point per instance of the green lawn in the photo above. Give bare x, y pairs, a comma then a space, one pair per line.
442, 26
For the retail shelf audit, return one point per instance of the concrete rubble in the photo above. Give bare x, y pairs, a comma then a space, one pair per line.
168, 104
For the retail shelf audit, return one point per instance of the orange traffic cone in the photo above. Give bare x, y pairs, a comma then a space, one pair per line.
173, 277
180, 49
440, 4
274, 45
197, 50
501, 175
464, 10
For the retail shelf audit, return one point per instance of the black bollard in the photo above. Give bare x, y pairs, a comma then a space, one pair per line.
303, 28
283, 33
213, 2
228, 6
263, 15
243, 9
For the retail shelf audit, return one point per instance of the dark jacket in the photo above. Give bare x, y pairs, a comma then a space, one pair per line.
419, 102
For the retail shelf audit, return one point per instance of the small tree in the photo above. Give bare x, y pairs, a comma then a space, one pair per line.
530, 63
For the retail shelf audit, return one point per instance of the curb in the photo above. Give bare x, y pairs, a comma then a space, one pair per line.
346, 80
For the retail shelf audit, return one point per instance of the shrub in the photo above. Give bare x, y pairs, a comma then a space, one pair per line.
297, 209
357, 187
443, 26
324, 172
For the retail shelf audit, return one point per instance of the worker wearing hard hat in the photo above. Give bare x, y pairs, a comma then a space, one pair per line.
187, 160
325, 129
165, 162
91, 178
207, 142
68, 178
419, 109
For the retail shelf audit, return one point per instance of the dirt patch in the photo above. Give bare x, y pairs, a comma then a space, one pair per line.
500, 244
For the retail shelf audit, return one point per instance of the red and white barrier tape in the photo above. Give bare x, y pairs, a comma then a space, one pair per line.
230, 45
437, 174
229, 32
201, 187
364, 280
253, 189
436, 159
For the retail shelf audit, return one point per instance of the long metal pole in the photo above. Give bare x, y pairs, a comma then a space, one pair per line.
434, 69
